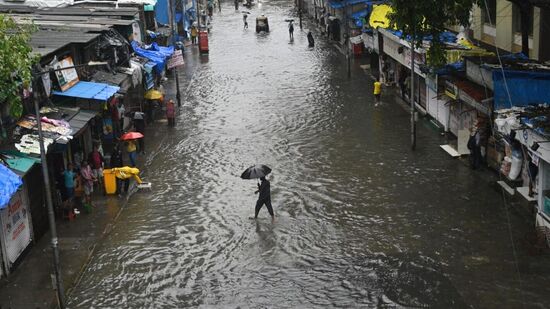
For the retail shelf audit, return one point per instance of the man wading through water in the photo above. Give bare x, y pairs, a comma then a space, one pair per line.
264, 198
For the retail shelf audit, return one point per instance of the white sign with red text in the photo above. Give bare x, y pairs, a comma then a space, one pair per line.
16, 231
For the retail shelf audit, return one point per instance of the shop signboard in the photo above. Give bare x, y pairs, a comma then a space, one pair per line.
16, 233
394, 48
451, 90
66, 78
136, 32
176, 60
473, 103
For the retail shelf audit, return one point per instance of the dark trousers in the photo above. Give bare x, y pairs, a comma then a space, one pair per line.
260, 204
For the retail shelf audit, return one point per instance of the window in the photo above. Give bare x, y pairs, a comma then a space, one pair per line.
516, 19
492, 17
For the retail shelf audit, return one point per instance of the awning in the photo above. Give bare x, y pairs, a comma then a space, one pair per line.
19, 162
79, 121
89, 90
9, 183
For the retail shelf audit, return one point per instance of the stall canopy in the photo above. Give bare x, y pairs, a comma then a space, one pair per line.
9, 183
155, 53
89, 90
521, 87
341, 4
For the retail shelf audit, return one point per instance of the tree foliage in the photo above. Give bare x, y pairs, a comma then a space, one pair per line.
15, 62
430, 17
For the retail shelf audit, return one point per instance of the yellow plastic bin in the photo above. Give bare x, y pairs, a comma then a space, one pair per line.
109, 179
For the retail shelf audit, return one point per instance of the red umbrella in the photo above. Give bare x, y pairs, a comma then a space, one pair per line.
131, 135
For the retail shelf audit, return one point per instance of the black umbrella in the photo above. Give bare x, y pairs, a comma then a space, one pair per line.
256, 171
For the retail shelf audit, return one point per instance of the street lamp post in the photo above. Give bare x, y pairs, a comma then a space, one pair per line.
413, 116
172, 8
45, 174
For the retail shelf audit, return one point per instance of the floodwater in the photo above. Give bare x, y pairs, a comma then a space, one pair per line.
362, 221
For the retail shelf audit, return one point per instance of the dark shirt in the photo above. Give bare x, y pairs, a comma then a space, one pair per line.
265, 191
116, 159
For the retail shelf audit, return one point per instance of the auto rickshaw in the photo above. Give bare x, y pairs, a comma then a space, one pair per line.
262, 24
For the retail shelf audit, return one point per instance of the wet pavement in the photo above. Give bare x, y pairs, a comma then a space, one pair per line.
361, 220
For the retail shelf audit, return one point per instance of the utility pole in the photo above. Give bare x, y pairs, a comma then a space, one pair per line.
347, 41
413, 120
172, 8
300, 12
49, 203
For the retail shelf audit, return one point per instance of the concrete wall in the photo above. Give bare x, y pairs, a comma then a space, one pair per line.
502, 35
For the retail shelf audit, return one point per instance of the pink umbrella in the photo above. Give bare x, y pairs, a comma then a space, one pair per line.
131, 135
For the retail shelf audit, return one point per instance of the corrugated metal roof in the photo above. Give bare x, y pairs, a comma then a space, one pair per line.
44, 42
79, 121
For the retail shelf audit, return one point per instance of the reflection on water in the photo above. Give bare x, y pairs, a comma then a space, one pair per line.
362, 221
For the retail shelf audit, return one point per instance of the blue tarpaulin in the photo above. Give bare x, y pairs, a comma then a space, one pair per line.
359, 17
525, 88
340, 4
89, 90
155, 53
9, 183
161, 12
445, 36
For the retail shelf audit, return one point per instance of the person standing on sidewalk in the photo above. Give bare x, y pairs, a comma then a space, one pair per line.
88, 179
171, 113
69, 177
96, 161
117, 161
291, 30
377, 92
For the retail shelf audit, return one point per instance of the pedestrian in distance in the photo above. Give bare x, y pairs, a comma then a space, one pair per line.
291, 30
194, 34
95, 158
88, 185
377, 92
171, 113
407, 84
131, 149
245, 16
236, 5
69, 177
264, 198
311, 41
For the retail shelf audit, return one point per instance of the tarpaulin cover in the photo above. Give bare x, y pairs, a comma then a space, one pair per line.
359, 18
89, 90
340, 4
155, 53
525, 88
161, 12
9, 183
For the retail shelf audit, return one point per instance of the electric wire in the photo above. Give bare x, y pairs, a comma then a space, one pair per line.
506, 210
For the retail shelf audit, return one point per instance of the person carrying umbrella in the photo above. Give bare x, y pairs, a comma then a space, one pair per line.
130, 138
264, 198
260, 171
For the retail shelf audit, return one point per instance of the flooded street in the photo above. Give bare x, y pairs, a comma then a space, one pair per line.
361, 220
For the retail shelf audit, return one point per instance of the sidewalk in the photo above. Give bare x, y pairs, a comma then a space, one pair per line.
31, 285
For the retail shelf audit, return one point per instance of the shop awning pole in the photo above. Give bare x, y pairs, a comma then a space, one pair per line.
413, 122
51, 215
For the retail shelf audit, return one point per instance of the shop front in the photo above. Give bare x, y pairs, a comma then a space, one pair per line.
469, 114
395, 65
15, 219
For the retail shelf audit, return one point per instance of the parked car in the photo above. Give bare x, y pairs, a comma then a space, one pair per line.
262, 24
